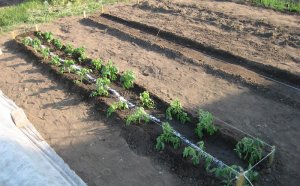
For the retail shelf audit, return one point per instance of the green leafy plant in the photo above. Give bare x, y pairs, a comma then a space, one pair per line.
138, 116
48, 36
193, 153
176, 110
120, 105
45, 52
127, 79
79, 53
250, 149
146, 100
36, 43
82, 73
55, 61
226, 174
57, 43
97, 64
205, 124
67, 66
69, 49
167, 136
110, 71
26, 41
102, 86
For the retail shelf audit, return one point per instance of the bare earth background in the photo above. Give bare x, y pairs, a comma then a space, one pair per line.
95, 147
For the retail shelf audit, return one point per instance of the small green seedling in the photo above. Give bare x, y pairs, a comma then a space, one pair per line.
205, 124
45, 52
82, 73
58, 44
102, 86
97, 64
120, 105
250, 149
167, 136
36, 43
138, 116
146, 100
226, 174
127, 79
26, 41
176, 110
69, 49
48, 36
67, 66
110, 71
193, 153
79, 53
55, 61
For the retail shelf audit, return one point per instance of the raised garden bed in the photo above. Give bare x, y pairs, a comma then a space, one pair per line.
178, 138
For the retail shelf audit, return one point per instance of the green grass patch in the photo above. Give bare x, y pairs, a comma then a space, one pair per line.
37, 11
281, 5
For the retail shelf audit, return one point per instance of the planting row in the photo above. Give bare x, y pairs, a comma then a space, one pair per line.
104, 80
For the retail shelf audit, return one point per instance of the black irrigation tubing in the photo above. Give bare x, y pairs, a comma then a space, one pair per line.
264, 70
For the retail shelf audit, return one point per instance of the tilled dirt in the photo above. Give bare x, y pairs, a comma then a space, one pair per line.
266, 36
254, 111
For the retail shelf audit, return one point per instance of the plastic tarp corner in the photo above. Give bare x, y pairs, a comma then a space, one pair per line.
25, 158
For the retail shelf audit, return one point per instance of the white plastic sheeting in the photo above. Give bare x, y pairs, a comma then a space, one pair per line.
25, 158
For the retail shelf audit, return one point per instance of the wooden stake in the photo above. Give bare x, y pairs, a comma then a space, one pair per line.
138, 1
102, 9
13, 35
271, 158
84, 14
240, 180
1, 52
36, 28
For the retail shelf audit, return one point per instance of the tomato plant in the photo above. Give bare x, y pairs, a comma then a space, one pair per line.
120, 105
205, 124
110, 71
45, 52
67, 66
69, 49
55, 61
175, 109
193, 153
102, 86
127, 79
146, 100
79, 53
250, 149
167, 136
57, 43
82, 73
97, 64
138, 116
48, 36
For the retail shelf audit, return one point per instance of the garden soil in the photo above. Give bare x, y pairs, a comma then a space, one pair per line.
98, 149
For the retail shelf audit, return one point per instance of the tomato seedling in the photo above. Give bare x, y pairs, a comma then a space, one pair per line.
45, 52
250, 149
79, 53
82, 73
138, 116
193, 153
120, 105
127, 79
175, 109
67, 66
205, 124
146, 100
55, 61
97, 64
48, 36
167, 136
110, 71
58, 44
102, 86
69, 49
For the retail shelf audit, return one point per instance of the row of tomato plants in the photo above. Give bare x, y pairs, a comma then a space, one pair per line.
248, 149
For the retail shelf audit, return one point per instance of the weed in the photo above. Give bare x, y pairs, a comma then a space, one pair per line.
55, 61
97, 64
138, 116
193, 153
120, 105
57, 43
82, 73
79, 53
205, 124
176, 110
48, 36
67, 66
102, 86
110, 71
127, 79
146, 100
167, 136
249, 149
